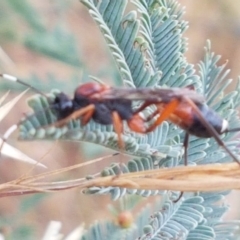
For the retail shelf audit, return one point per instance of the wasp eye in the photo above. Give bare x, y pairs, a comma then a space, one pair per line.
63, 105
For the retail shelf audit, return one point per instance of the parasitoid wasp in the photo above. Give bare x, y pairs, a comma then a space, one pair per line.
109, 105
105, 112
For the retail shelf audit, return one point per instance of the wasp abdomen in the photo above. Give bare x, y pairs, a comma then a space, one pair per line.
198, 129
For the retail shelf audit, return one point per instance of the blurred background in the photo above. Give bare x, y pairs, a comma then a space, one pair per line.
55, 44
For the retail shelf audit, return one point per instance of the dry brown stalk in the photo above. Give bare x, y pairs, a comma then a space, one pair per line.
211, 177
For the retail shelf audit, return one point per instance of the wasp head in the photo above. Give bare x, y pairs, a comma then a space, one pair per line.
62, 105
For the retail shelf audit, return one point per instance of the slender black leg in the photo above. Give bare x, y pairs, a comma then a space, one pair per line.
185, 146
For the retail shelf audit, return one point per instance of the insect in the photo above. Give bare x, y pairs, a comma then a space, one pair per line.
183, 107
85, 105
196, 118
108, 105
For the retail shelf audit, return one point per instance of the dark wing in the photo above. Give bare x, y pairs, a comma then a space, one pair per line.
161, 95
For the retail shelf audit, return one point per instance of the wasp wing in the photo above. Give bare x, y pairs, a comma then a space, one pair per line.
155, 95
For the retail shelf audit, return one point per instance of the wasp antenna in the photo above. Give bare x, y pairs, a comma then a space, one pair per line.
15, 79
97, 80
7, 134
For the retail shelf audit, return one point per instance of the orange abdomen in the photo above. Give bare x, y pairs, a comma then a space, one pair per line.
186, 118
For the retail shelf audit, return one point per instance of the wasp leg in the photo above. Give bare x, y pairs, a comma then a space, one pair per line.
118, 127
136, 124
87, 116
165, 113
185, 146
211, 129
74, 115
154, 114
87, 110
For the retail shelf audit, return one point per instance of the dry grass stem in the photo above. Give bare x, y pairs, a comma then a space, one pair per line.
211, 177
